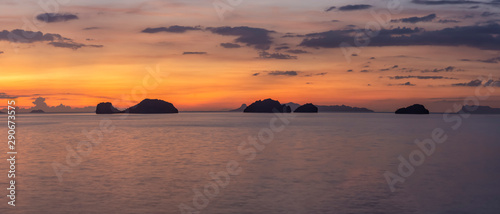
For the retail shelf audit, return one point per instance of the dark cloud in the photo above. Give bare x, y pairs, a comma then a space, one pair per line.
350, 70
256, 74
297, 51
317, 74
283, 73
72, 45
420, 77
330, 9
355, 7
292, 35
436, 70
171, 29
492, 83
56, 40
194, 53
364, 71
476, 83
267, 55
400, 31
443, 2
403, 84
258, 38
416, 19
479, 36
22, 36
6, 96
1, 52
488, 14
282, 48
40, 104
490, 60
56, 17
444, 21
472, 83
456, 2
390, 68
407, 84
91, 28
230, 45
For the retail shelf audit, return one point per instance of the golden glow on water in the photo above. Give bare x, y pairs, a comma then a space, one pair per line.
325, 161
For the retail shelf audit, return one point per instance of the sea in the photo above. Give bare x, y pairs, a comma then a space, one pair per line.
237, 163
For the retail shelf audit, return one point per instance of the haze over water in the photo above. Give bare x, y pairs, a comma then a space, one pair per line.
320, 163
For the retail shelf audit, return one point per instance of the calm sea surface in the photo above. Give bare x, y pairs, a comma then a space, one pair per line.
318, 163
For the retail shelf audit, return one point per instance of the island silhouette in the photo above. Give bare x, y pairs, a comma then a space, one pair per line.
240, 109
37, 111
414, 109
321, 108
293, 106
306, 108
147, 106
267, 106
479, 110
343, 108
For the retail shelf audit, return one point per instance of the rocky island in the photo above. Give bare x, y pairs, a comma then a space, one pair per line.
293, 106
414, 109
39, 111
106, 108
240, 109
152, 106
267, 106
478, 110
147, 106
307, 108
343, 108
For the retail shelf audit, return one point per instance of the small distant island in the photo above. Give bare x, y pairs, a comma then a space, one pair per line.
293, 106
343, 108
147, 106
39, 111
479, 110
240, 109
267, 106
307, 108
414, 109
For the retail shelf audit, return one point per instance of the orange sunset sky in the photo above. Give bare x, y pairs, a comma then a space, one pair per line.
216, 55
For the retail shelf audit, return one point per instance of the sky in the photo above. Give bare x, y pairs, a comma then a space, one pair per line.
218, 54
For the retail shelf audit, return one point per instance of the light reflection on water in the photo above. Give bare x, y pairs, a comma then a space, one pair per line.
320, 163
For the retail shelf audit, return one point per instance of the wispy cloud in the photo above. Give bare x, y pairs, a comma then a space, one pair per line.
56, 17
171, 29
283, 73
355, 7
416, 19
194, 53
267, 55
